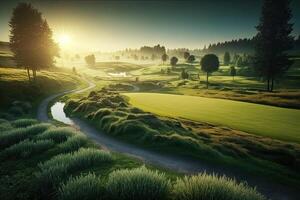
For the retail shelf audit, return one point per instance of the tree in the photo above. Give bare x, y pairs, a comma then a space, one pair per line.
232, 72
90, 59
209, 63
184, 74
164, 58
273, 40
226, 58
191, 59
173, 61
186, 55
31, 39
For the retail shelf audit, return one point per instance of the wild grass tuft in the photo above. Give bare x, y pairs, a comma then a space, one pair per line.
26, 148
4, 125
139, 183
24, 122
73, 143
61, 166
83, 187
58, 135
204, 186
19, 134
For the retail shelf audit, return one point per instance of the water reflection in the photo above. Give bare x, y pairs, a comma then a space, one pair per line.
57, 111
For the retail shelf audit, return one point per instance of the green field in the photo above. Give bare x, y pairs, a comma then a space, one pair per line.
274, 122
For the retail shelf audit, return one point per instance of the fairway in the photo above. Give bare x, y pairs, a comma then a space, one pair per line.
274, 122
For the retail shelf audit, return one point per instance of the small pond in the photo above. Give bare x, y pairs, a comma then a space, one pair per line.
57, 111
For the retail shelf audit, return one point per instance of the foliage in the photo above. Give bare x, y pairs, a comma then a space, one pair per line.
83, 187
226, 59
184, 74
24, 122
58, 135
273, 40
204, 186
164, 57
137, 184
209, 63
90, 60
26, 148
173, 61
31, 39
186, 55
191, 59
232, 71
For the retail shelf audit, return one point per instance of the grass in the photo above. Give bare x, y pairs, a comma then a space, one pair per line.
111, 113
273, 122
83, 187
58, 135
87, 173
204, 186
136, 184
20, 97
26, 149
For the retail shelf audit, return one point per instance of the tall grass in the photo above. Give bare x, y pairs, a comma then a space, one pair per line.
61, 166
19, 134
26, 148
4, 125
73, 144
24, 122
83, 187
137, 184
204, 187
59, 135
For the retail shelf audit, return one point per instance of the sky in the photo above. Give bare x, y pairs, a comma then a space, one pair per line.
86, 25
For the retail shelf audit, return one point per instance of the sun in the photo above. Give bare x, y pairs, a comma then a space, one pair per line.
64, 40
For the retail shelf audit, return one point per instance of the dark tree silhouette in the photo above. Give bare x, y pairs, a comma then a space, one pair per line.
209, 63
173, 61
90, 59
232, 72
184, 74
191, 59
31, 39
273, 40
186, 55
226, 58
164, 58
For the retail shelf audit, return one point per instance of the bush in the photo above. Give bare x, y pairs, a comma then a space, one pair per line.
24, 122
19, 134
204, 186
26, 148
73, 143
59, 135
61, 166
84, 187
138, 184
4, 125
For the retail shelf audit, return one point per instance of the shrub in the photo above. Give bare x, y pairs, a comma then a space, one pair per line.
139, 183
61, 166
26, 148
73, 143
59, 135
18, 134
84, 187
24, 122
204, 186
4, 125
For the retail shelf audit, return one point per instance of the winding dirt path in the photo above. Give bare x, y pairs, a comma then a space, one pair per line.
272, 190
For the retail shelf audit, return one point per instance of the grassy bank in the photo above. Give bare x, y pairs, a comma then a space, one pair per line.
15, 87
112, 113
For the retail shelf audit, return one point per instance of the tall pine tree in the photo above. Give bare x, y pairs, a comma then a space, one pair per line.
31, 39
273, 40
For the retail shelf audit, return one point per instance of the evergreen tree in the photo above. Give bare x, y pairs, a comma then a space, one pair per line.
226, 58
31, 39
273, 40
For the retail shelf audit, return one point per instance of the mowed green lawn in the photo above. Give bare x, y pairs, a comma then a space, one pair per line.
274, 122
